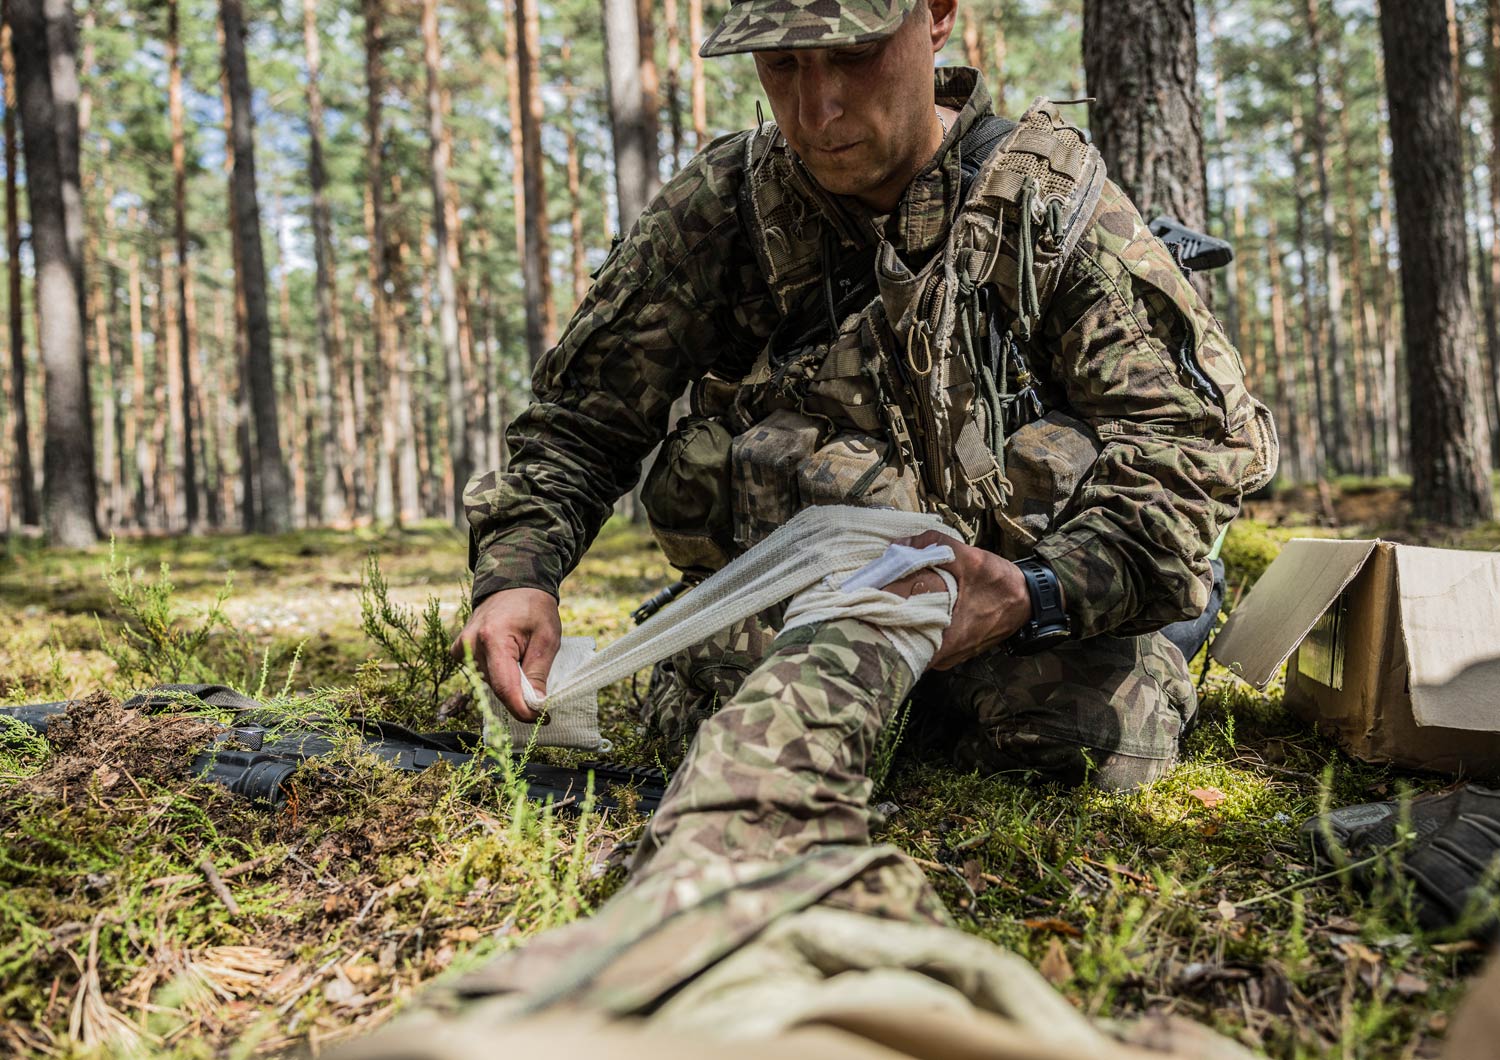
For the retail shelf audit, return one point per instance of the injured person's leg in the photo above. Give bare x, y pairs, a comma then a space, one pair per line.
758, 910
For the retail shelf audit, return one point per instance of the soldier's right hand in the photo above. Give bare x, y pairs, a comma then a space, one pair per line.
512, 631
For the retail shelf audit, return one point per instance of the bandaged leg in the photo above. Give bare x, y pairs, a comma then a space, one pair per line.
818, 544
785, 765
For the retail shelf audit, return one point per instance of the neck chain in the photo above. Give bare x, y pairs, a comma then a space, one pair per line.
941, 123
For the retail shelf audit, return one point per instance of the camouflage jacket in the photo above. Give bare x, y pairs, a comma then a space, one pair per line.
683, 295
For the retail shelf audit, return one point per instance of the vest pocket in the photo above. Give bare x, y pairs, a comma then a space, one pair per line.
686, 495
854, 469
1047, 461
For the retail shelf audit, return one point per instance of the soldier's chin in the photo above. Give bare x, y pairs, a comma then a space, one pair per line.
840, 177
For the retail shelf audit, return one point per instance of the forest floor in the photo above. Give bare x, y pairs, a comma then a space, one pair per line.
1192, 898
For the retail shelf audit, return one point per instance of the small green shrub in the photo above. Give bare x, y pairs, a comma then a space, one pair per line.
153, 640
415, 644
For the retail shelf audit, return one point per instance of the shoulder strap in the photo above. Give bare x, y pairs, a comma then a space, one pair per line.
976, 147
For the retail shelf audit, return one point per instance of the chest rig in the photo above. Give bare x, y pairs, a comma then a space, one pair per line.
894, 383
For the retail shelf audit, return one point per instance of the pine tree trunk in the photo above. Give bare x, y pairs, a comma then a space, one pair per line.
650, 95
408, 504
1288, 417
180, 231
1312, 337
674, 79
1362, 334
25, 473
243, 441
627, 119
999, 52
1141, 61
170, 361
328, 472
384, 387
535, 262
1491, 310
134, 445
1449, 460
103, 293
973, 51
1389, 312
62, 44
274, 510
700, 90
517, 152
579, 271
460, 457
1339, 452
68, 488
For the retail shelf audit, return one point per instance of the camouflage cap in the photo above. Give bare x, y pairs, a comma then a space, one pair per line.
766, 25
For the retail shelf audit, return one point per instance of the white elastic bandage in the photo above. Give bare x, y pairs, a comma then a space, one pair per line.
914, 625
832, 541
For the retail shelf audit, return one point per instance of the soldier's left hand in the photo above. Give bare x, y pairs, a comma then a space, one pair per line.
992, 600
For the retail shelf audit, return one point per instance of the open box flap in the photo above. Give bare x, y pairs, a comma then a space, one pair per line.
1268, 624
1450, 618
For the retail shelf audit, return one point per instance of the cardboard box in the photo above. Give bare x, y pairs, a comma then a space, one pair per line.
1397, 648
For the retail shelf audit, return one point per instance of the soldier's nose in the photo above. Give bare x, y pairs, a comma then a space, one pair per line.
819, 101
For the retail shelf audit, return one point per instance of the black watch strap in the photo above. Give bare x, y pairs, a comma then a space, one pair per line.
1049, 624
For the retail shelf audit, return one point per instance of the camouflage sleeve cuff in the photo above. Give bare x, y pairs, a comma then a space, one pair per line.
1100, 594
503, 565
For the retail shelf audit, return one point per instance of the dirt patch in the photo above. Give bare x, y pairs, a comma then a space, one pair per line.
99, 742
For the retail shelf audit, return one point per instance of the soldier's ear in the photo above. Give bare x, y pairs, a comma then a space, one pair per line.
944, 16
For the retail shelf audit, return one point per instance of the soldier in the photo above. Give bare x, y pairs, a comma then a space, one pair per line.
893, 297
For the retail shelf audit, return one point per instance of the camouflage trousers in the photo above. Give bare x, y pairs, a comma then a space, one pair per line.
758, 911
1108, 709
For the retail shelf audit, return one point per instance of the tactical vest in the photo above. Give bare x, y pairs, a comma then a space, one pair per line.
885, 386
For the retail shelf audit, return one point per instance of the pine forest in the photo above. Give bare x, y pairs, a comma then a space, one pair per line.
316, 247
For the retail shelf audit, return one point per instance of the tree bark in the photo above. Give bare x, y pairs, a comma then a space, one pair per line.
383, 410
328, 488
68, 486
274, 512
627, 119
103, 294
1339, 452
650, 94
700, 90
180, 233
536, 270
1449, 460
973, 50
1491, 311
62, 44
1140, 59
674, 79
1288, 416
1312, 331
580, 268
25, 473
460, 457
999, 51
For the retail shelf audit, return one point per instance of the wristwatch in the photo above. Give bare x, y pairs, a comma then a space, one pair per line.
1048, 625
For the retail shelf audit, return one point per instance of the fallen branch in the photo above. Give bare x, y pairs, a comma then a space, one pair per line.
216, 882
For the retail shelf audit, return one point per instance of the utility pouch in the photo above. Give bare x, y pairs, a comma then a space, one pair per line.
855, 469
1047, 461
764, 463
687, 497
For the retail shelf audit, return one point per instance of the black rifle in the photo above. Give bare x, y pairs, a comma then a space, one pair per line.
257, 756
1193, 251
